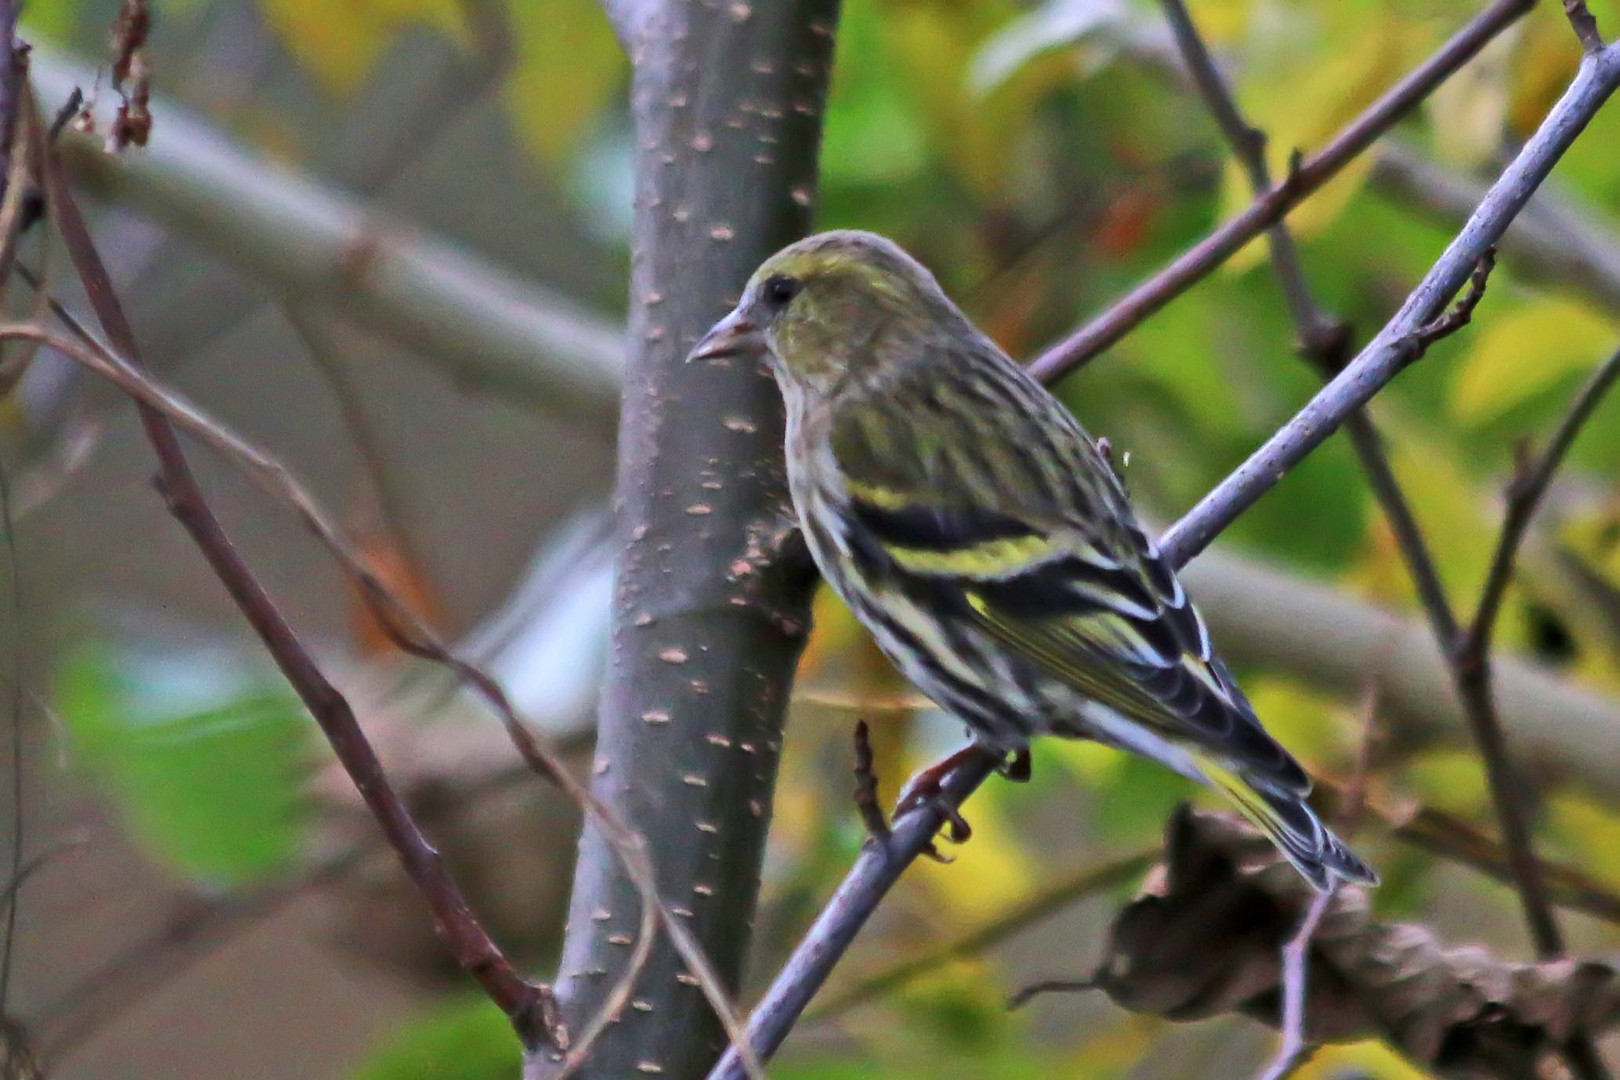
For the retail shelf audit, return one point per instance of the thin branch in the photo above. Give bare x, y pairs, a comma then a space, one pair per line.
526, 1004
1399, 343
1323, 339
1472, 666
1584, 24
1307, 177
1555, 240
874, 873
1526, 492
1249, 145
406, 630
1402, 339
326, 354
1295, 1048
1325, 342
1317, 339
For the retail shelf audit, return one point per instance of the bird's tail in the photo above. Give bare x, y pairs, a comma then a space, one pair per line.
1292, 825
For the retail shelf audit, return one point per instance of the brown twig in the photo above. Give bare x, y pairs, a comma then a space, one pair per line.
410, 634
527, 1004
1326, 343
1324, 340
866, 786
1460, 313
1318, 339
1585, 25
1471, 654
1125, 313
1025, 994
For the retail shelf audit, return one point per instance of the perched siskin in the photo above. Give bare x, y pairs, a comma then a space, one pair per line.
968, 520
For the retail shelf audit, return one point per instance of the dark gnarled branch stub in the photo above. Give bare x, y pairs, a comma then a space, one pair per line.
1202, 940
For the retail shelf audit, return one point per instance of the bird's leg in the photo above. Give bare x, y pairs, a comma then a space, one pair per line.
925, 788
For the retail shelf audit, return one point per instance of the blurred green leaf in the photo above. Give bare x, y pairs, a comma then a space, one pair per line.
1316, 516
569, 68
340, 44
1517, 356
873, 135
206, 756
52, 21
466, 1039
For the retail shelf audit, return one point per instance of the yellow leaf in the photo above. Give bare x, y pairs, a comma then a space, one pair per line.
932, 47
1450, 780
1311, 725
568, 66
340, 43
1370, 1059
1447, 503
1543, 65
1518, 355
1468, 109
1327, 84
1587, 831
1221, 22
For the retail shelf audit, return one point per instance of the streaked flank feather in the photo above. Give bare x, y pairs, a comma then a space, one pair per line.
969, 521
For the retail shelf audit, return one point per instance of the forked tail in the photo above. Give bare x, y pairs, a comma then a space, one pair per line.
1292, 825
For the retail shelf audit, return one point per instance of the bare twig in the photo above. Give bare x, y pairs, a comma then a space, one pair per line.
410, 634
1324, 340
1401, 339
1556, 239
326, 353
1295, 1047
1249, 144
528, 1005
1584, 24
1318, 340
10, 226
1191, 266
1025, 994
1526, 490
866, 786
876, 870
1471, 656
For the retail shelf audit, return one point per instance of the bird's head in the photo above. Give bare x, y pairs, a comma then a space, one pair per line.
830, 309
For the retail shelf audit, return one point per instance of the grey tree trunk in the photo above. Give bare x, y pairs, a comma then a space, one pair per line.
708, 621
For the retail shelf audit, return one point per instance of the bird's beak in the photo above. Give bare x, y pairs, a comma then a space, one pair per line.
733, 335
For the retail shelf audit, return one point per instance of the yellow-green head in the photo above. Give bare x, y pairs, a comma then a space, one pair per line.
834, 308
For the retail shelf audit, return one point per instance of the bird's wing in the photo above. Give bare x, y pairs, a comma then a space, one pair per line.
1077, 590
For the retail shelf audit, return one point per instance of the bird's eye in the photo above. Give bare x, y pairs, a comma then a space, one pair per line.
778, 290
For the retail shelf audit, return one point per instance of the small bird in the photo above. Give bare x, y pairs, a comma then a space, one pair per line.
974, 527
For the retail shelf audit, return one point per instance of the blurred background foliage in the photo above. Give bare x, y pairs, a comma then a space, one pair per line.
1041, 158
